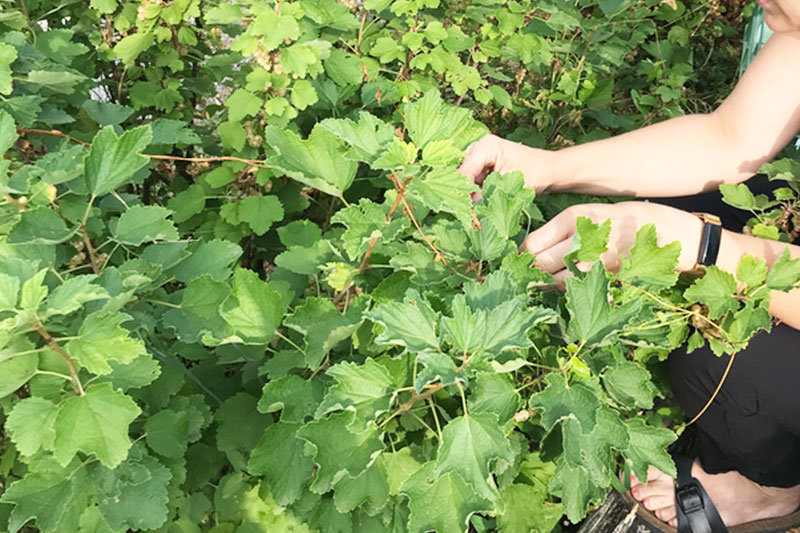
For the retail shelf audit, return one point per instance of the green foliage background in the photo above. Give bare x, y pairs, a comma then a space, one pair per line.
288, 315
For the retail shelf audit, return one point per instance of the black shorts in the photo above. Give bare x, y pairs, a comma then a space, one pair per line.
753, 425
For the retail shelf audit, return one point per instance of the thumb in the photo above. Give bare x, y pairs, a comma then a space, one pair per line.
479, 158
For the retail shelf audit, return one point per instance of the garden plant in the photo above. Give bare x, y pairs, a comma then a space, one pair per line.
244, 288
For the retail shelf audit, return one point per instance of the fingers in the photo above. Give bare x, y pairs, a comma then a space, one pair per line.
560, 228
551, 260
480, 157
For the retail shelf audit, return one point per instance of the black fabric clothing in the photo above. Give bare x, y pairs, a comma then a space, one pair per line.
753, 426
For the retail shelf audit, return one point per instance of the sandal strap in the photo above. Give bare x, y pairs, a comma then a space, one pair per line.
696, 511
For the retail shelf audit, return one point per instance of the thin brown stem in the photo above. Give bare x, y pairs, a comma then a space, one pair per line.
56, 133
426, 394
90, 249
401, 191
56, 347
716, 392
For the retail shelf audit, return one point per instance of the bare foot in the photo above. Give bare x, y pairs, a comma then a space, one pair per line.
737, 499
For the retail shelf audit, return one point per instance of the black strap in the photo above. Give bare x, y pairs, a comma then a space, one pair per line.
709, 244
696, 511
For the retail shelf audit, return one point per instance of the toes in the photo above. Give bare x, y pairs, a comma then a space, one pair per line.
661, 487
659, 501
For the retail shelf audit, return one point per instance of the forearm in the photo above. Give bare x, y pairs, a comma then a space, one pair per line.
695, 153
733, 246
682, 156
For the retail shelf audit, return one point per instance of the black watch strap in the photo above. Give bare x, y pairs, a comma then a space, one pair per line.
709, 239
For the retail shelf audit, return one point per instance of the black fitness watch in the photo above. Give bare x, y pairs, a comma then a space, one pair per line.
709, 239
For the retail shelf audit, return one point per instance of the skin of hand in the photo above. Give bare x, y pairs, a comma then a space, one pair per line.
552, 242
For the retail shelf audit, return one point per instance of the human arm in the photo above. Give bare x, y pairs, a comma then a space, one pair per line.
553, 240
680, 156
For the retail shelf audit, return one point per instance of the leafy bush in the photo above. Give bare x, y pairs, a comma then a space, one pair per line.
288, 315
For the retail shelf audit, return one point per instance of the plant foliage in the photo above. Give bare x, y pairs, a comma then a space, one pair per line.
243, 286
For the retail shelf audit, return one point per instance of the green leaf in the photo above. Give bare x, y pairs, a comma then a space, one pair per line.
506, 198
397, 154
30, 425
752, 271
61, 81
34, 291
188, 203
367, 138
129, 48
631, 385
436, 366
649, 265
168, 432
7, 56
455, 502
199, 312
470, 443
254, 310
323, 326
560, 401
112, 160
239, 428
784, 273
145, 223
337, 450
258, 212
738, 195
364, 389
596, 450
590, 241
55, 499
441, 153
748, 321
446, 190
717, 289
9, 292
592, 318
295, 397
107, 113
648, 446
366, 221
134, 495
493, 330
213, 258
303, 94
305, 259
495, 394
411, 323
318, 162
95, 423
242, 103
369, 489
40, 226
15, 372
573, 484
279, 457
233, 135
784, 169
344, 68
8, 130
525, 510
57, 45
102, 338
72, 294
430, 119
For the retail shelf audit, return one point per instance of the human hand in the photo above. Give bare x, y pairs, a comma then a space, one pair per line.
495, 154
552, 242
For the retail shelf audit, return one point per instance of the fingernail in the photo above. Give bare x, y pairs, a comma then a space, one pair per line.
633, 478
635, 493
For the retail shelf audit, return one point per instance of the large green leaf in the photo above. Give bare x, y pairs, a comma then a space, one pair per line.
112, 160
470, 443
253, 310
102, 339
318, 162
592, 318
95, 423
441, 503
